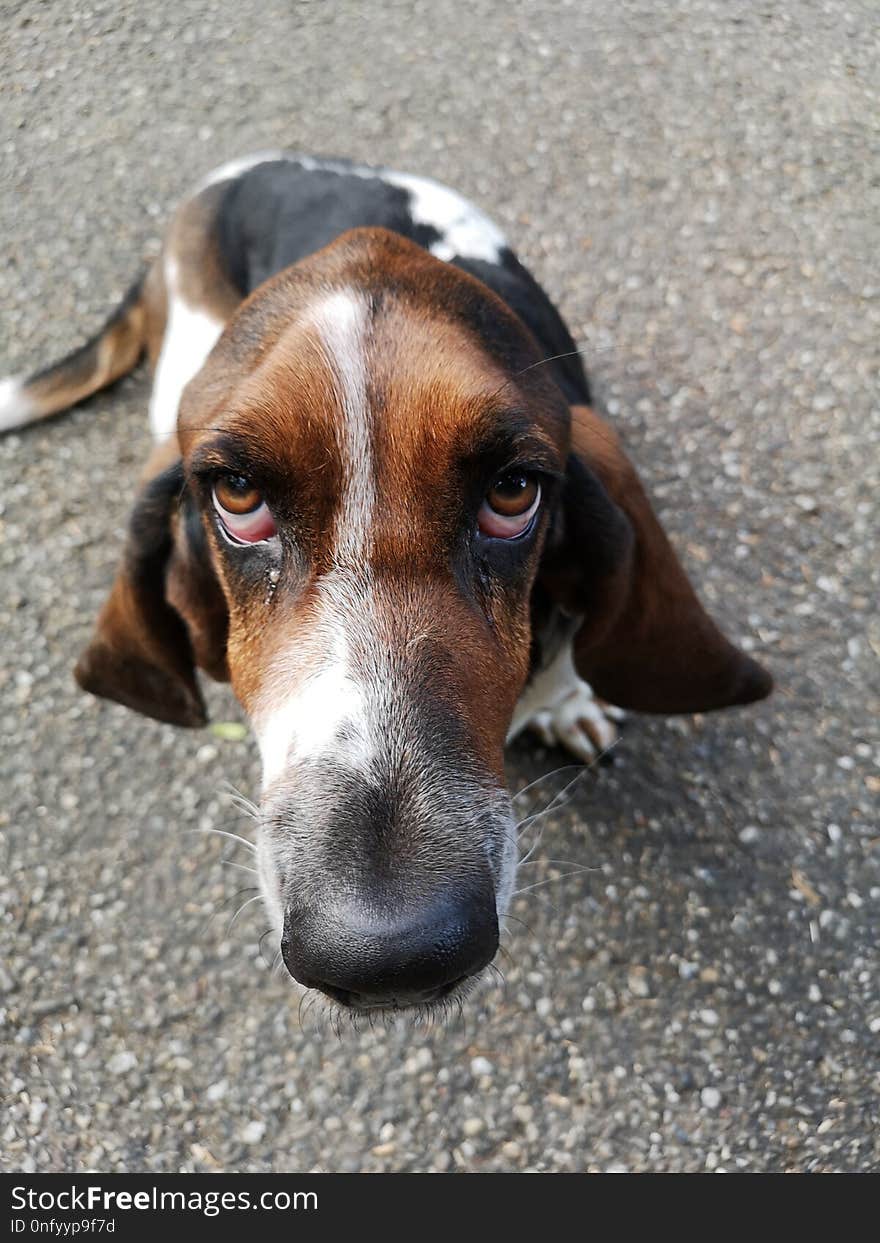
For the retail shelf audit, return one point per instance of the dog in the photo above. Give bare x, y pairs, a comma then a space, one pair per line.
382, 505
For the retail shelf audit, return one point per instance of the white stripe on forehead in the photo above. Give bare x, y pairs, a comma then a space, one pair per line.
340, 320
325, 714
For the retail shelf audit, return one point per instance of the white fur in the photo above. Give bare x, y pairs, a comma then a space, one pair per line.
561, 707
15, 409
465, 230
306, 723
506, 877
270, 888
190, 335
340, 321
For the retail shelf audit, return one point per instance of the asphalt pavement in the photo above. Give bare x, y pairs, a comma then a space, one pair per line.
696, 986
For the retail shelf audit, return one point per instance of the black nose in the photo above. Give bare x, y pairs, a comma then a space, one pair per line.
364, 956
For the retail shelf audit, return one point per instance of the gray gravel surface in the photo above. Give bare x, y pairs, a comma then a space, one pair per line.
697, 184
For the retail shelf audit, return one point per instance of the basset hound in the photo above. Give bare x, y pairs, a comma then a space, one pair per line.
381, 504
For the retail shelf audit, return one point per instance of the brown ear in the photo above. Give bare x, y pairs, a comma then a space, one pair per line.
645, 641
143, 652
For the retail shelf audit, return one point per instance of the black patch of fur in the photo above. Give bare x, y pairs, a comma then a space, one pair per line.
279, 212
516, 286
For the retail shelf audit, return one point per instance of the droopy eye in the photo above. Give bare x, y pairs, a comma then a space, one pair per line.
244, 514
510, 505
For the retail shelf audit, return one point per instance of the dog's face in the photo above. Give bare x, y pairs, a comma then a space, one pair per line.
374, 486
378, 512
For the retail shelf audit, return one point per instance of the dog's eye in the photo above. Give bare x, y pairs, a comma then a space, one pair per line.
510, 505
244, 514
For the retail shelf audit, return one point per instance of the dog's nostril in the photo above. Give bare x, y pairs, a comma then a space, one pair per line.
368, 1001
445, 989
403, 958
343, 995
371, 1001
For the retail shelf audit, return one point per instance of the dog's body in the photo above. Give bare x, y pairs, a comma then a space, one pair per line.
380, 503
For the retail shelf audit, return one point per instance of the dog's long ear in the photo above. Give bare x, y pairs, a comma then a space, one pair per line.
165, 614
645, 641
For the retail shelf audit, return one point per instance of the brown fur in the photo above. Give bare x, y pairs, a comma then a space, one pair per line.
141, 653
652, 647
192, 243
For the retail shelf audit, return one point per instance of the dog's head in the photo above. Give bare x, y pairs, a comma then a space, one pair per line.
382, 506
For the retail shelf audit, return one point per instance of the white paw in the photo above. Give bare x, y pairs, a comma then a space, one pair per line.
579, 722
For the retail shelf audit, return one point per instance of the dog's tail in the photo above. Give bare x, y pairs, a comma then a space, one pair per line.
110, 354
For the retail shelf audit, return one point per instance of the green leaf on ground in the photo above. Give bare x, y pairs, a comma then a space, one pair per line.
229, 731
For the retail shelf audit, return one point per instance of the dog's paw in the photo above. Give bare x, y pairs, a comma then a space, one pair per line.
579, 722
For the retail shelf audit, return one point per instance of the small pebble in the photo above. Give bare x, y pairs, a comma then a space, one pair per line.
637, 982
122, 1062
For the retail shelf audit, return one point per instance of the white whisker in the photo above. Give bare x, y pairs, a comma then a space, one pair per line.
545, 777
242, 867
555, 802
234, 837
257, 898
241, 801
558, 800
551, 880
570, 863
